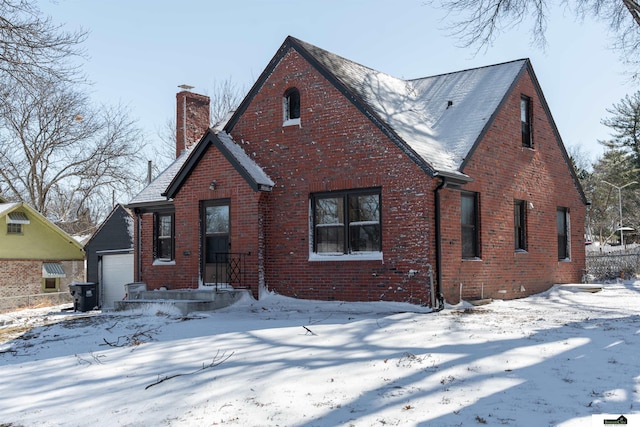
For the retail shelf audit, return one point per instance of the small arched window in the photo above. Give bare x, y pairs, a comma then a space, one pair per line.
292, 106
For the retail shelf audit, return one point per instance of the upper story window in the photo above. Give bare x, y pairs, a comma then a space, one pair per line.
470, 225
291, 104
164, 236
525, 121
346, 222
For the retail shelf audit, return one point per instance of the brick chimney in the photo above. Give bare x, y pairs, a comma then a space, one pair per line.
192, 119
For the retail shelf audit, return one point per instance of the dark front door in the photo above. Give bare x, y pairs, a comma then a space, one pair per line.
216, 242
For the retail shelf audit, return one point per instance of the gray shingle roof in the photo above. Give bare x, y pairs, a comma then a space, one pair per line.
152, 193
420, 112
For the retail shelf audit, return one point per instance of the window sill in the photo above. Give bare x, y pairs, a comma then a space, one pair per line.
291, 122
472, 259
364, 256
521, 251
164, 262
565, 260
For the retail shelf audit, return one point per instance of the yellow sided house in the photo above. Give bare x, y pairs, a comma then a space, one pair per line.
36, 256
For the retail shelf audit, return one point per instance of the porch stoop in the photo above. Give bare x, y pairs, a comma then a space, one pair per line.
185, 300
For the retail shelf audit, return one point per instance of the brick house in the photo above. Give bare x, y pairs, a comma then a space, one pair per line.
333, 181
36, 256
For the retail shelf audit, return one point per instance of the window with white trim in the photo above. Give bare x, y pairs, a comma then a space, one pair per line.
164, 237
346, 222
291, 107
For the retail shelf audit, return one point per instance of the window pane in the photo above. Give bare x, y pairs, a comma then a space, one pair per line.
364, 238
164, 226
468, 242
330, 211
217, 219
468, 210
524, 110
164, 248
329, 239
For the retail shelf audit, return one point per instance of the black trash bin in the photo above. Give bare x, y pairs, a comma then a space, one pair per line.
85, 295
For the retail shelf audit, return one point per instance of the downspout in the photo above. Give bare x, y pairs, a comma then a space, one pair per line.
138, 246
440, 297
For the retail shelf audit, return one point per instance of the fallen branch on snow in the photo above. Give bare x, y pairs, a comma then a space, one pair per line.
217, 360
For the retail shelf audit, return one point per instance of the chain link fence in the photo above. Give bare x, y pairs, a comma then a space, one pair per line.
613, 265
33, 301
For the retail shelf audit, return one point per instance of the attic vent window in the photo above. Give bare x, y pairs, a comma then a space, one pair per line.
291, 107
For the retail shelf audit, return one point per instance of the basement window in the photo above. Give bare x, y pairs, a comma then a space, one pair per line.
291, 107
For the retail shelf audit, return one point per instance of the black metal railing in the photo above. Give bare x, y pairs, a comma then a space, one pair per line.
228, 269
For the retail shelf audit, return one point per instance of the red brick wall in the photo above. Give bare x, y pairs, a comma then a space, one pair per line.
24, 277
244, 212
503, 171
335, 148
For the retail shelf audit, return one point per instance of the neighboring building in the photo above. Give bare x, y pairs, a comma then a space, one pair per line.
333, 181
110, 256
36, 256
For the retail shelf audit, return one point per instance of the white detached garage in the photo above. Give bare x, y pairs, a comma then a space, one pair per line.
116, 270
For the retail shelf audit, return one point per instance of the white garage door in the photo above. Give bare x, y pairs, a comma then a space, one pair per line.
117, 271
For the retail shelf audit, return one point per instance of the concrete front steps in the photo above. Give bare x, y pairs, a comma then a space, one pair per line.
185, 300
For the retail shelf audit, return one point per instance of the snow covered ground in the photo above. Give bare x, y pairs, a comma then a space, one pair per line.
554, 359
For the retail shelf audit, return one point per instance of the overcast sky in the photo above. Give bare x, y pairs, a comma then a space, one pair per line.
140, 51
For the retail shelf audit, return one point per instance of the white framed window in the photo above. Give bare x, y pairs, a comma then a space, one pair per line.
291, 107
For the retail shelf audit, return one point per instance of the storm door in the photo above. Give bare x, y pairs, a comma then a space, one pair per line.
216, 242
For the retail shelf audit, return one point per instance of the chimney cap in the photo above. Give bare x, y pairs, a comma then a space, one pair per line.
186, 87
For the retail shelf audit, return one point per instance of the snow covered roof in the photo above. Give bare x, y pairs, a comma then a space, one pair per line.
152, 193
250, 171
440, 117
167, 184
256, 173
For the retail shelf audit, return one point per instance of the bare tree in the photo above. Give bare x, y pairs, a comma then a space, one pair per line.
31, 46
225, 98
479, 22
64, 157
